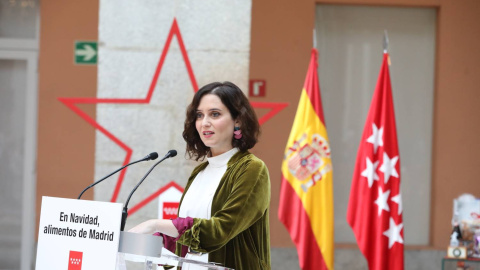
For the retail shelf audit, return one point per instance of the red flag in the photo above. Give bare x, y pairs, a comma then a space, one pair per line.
306, 195
375, 205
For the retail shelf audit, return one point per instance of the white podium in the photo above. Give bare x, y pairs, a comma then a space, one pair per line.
147, 250
84, 235
78, 234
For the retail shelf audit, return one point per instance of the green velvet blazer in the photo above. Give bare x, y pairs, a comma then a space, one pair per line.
238, 234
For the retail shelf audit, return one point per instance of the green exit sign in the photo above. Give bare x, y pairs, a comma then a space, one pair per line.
86, 52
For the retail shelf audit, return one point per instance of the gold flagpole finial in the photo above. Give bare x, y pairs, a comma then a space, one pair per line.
385, 45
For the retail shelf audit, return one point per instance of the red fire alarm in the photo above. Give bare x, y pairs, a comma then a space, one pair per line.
257, 88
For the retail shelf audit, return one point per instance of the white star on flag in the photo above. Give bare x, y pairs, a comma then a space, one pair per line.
382, 201
398, 200
388, 167
376, 137
393, 233
370, 172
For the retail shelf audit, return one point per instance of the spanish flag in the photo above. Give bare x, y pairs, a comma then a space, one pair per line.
306, 196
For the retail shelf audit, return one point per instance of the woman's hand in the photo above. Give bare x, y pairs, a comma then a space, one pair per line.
164, 226
147, 227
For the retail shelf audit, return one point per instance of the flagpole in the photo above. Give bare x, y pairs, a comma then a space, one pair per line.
314, 38
376, 218
306, 207
385, 41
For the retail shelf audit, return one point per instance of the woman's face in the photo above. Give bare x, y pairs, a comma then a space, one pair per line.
214, 124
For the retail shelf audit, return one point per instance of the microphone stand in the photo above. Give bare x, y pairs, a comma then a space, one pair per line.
170, 153
151, 156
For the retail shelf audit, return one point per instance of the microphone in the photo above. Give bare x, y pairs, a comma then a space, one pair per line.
151, 156
170, 154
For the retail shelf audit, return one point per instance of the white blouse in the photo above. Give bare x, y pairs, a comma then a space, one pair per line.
197, 202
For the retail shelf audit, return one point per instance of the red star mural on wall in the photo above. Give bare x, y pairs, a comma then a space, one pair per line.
72, 103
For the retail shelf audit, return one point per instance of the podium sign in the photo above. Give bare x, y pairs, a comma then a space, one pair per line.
78, 234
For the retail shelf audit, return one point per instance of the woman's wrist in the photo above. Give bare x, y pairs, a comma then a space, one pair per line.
166, 226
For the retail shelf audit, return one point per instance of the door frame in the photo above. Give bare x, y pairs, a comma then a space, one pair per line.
29, 153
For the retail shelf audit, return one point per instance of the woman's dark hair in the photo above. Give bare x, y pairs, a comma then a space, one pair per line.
238, 105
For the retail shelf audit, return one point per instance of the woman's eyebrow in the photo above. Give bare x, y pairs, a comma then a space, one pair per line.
212, 109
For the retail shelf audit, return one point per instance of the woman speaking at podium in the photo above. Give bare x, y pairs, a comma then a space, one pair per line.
224, 210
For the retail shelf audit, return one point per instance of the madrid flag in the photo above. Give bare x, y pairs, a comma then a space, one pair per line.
306, 196
375, 205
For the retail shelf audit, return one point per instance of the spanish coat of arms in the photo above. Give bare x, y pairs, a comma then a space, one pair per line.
309, 162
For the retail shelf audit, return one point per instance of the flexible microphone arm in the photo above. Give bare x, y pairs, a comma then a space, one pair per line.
151, 156
170, 153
